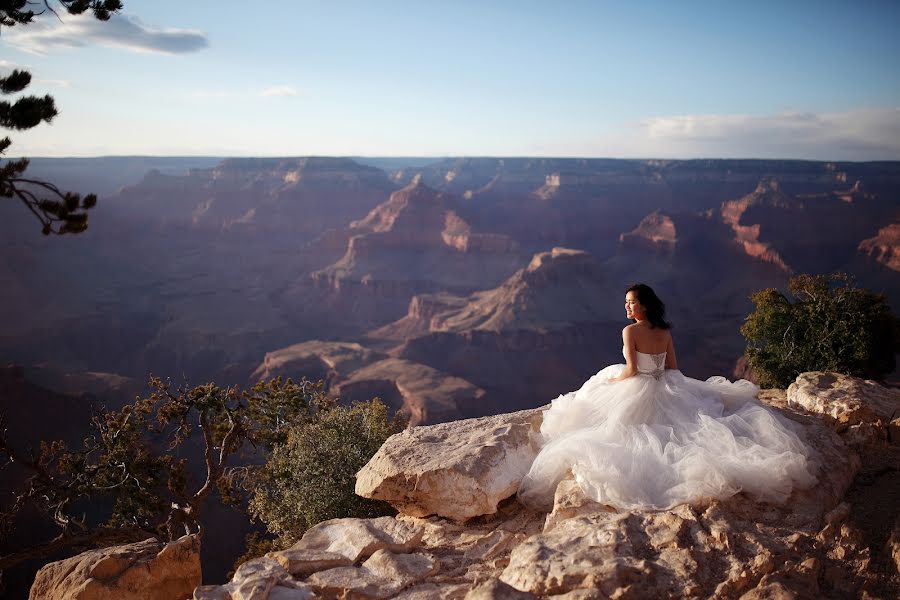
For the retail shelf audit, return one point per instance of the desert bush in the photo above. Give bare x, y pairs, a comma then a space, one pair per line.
828, 324
311, 477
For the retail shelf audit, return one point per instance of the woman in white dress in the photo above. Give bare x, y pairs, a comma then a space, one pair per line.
642, 435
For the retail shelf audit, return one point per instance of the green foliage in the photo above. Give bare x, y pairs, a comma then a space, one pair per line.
828, 325
311, 477
59, 212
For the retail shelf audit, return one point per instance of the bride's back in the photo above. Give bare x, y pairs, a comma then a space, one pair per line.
649, 339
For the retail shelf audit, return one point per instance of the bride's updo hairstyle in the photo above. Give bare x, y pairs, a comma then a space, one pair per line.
656, 310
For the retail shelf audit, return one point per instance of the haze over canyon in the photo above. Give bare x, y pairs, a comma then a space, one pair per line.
452, 288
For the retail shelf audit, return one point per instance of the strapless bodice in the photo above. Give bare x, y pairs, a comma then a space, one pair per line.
650, 364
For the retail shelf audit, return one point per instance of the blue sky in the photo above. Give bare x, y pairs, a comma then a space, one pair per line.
797, 79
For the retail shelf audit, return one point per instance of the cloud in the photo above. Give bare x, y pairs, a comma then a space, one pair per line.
279, 91
120, 31
859, 134
54, 82
274, 91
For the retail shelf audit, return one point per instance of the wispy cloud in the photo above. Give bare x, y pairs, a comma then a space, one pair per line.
120, 31
860, 134
64, 83
279, 91
274, 91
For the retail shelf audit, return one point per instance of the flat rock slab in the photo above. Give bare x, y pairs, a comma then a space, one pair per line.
848, 400
356, 539
258, 579
383, 575
301, 562
456, 470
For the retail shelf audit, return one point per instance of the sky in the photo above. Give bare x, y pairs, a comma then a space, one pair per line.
638, 79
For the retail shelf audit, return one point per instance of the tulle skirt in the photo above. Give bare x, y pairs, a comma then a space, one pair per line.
655, 442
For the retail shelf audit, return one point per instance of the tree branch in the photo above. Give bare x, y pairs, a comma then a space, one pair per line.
96, 537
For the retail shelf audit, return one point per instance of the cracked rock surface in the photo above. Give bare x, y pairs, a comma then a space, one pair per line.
839, 539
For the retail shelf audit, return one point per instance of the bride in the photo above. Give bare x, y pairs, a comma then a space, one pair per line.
642, 435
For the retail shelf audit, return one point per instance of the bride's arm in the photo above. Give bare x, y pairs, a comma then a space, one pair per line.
671, 361
630, 369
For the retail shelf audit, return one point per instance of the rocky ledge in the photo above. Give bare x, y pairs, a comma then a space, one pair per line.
460, 533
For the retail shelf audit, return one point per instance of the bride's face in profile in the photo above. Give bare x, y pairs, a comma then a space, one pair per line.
633, 308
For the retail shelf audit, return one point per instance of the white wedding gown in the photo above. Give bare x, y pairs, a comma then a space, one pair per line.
659, 439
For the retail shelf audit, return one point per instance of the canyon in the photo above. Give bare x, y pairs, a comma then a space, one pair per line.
453, 288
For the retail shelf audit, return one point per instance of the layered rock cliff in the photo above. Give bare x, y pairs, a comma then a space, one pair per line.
415, 242
542, 330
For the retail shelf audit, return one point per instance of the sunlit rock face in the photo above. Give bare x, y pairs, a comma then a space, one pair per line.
656, 231
265, 195
884, 247
543, 329
767, 194
148, 570
457, 537
353, 372
415, 242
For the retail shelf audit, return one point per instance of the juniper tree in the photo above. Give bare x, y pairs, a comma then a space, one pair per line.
137, 462
826, 324
58, 211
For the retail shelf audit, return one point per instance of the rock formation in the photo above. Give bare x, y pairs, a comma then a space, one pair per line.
148, 570
415, 242
656, 231
444, 478
544, 329
767, 193
884, 248
354, 372
306, 195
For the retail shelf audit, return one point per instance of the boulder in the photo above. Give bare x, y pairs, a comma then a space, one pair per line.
148, 570
457, 470
356, 539
864, 406
258, 579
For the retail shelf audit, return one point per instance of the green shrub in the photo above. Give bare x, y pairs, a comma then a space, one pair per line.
311, 477
828, 325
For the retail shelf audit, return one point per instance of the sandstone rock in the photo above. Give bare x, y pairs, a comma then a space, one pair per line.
357, 539
814, 545
585, 553
494, 589
148, 570
383, 575
457, 470
258, 579
434, 591
848, 400
302, 562
892, 546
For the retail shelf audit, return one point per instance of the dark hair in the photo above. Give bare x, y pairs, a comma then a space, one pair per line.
656, 310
